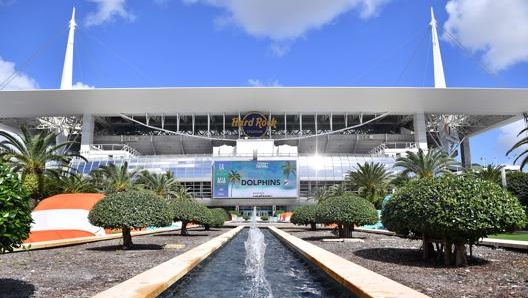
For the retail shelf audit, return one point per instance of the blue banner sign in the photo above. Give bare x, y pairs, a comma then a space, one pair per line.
255, 179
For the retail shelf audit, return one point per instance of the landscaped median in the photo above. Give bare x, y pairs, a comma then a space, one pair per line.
153, 282
359, 280
81, 240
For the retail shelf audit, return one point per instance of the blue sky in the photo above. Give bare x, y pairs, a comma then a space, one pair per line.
160, 43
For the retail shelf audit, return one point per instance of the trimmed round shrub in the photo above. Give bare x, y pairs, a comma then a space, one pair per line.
15, 214
221, 215
188, 211
455, 210
346, 211
304, 215
130, 209
218, 216
517, 184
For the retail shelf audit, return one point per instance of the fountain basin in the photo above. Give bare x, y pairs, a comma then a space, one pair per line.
360, 281
153, 282
281, 273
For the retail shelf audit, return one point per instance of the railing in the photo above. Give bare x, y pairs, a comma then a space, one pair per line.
115, 147
393, 145
234, 154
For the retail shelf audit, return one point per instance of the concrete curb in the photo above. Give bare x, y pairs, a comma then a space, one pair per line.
504, 243
383, 232
153, 282
81, 240
359, 280
484, 241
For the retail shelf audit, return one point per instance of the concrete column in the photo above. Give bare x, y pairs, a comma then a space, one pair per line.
87, 133
465, 153
420, 134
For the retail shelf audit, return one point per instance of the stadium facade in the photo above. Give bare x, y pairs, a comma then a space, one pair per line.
270, 147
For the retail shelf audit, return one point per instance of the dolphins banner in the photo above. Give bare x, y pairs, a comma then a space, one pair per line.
255, 179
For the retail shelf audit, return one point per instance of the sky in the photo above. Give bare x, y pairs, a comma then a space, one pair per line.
351, 43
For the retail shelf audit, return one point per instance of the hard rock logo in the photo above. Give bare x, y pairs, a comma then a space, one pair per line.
254, 125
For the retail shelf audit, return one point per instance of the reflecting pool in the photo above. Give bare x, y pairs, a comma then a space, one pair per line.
224, 274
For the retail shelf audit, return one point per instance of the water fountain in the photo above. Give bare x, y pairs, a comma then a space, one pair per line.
255, 251
231, 273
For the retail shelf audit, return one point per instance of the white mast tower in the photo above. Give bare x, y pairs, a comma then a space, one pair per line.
65, 125
439, 78
67, 70
448, 134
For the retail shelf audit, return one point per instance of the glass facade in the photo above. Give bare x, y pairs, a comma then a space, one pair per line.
195, 171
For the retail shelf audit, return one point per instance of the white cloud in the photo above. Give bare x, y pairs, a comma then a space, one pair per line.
508, 137
259, 83
81, 85
12, 81
282, 20
108, 11
496, 29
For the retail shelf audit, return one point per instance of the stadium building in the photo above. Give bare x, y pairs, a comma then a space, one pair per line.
270, 147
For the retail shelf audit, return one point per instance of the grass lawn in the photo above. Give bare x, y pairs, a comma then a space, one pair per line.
521, 236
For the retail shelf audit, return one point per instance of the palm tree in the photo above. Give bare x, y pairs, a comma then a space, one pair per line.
489, 173
425, 165
97, 179
371, 181
288, 169
163, 184
521, 142
74, 183
233, 178
119, 178
35, 156
183, 193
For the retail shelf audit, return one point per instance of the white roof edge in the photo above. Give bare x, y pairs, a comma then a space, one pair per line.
203, 100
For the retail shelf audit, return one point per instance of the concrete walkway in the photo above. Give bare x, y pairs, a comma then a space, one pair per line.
484, 241
504, 243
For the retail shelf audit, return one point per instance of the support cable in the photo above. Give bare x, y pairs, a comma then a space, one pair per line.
498, 80
30, 60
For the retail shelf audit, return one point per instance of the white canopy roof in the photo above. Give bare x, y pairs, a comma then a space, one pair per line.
205, 100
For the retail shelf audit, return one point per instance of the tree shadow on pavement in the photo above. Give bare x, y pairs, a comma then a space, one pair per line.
134, 247
180, 235
14, 288
408, 257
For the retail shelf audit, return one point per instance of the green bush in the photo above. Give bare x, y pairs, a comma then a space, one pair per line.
15, 214
454, 210
130, 209
346, 211
264, 217
189, 211
246, 217
218, 217
304, 215
517, 184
